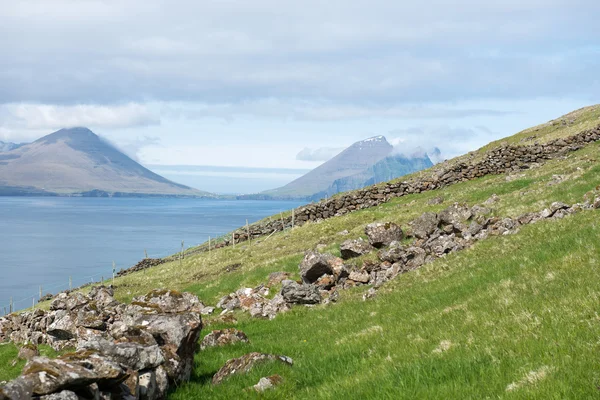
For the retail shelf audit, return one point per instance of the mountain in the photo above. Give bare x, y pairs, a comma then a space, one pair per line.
365, 162
7, 146
78, 162
385, 170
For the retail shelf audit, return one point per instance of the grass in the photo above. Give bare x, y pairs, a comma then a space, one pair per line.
512, 317
467, 326
8, 356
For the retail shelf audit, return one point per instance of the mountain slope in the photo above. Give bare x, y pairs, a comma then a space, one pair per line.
77, 161
501, 319
363, 162
387, 169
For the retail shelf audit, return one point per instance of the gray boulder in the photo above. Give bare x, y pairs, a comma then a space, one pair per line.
383, 233
314, 265
133, 355
425, 225
223, 337
354, 248
295, 293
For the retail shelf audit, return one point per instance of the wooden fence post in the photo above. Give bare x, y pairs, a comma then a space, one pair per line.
293, 217
209, 244
70, 283
145, 253
11, 305
40, 292
113, 273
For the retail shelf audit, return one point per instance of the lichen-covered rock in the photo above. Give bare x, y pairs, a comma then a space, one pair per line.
28, 351
223, 337
315, 265
425, 225
383, 233
18, 389
354, 248
133, 355
63, 328
392, 254
359, 276
245, 363
295, 293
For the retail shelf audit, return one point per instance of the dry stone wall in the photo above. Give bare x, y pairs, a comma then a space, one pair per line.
500, 160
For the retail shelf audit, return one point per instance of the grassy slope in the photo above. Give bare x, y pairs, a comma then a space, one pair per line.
520, 309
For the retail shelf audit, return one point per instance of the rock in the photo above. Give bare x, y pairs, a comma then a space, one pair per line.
276, 305
133, 355
179, 330
295, 293
394, 253
382, 234
325, 282
354, 248
229, 302
455, 216
425, 225
275, 278
50, 376
414, 258
492, 200
268, 382
557, 205
148, 386
103, 297
596, 203
223, 337
18, 389
64, 395
359, 276
63, 328
343, 233
371, 293
171, 301
244, 364
435, 200
28, 351
314, 265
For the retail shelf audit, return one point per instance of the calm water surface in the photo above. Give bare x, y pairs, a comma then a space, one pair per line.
43, 241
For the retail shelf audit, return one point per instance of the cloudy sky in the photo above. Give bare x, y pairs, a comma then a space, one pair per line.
285, 84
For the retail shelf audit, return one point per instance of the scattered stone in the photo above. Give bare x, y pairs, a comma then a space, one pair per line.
223, 337
276, 278
245, 363
492, 200
382, 234
354, 248
371, 293
435, 200
425, 225
295, 293
359, 276
268, 382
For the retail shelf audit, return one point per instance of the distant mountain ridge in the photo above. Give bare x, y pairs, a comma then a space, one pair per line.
78, 162
364, 163
8, 146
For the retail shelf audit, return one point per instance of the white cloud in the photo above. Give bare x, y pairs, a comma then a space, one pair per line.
47, 117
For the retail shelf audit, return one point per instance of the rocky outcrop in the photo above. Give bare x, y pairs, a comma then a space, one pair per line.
121, 351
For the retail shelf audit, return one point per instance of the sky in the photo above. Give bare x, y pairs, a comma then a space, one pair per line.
272, 88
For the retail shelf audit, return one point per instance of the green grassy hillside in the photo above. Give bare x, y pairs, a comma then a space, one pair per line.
511, 317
